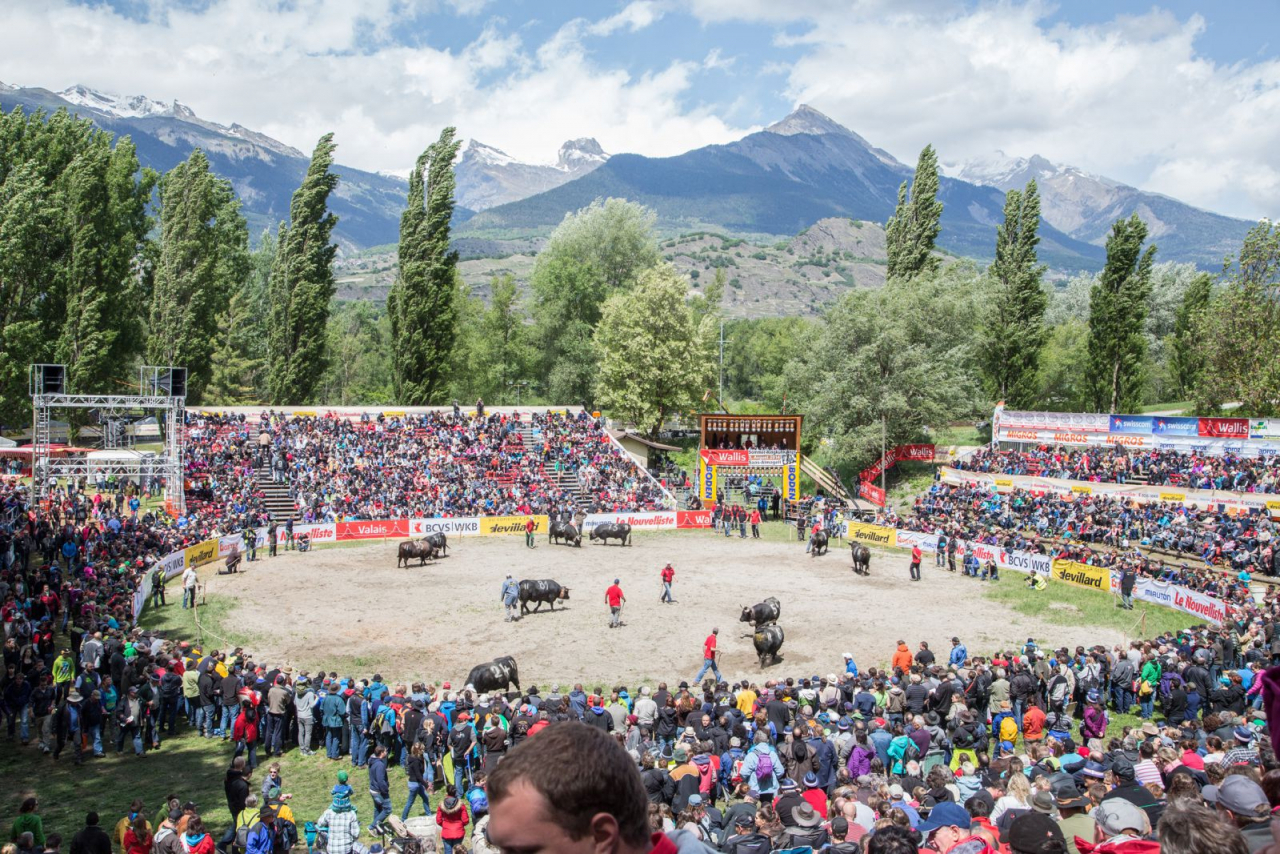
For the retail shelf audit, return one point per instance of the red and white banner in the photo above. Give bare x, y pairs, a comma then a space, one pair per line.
726, 458
693, 518
1224, 428
872, 493
372, 529
459, 526
914, 453
1180, 598
655, 521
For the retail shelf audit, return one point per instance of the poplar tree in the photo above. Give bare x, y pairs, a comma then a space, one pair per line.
1014, 331
422, 301
1118, 306
1186, 357
204, 256
916, 221
302, 285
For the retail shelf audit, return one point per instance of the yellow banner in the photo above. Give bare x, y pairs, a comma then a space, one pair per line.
1273, 505
1174, 496
1082, 575
303, 413
200, 553
874, 535
1004, 482
394, 414
791, 483
511, 524
1082, 490
706, 481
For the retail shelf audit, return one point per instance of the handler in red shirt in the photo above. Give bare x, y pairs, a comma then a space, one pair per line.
615, 598
709, 658
915, 562
668, 575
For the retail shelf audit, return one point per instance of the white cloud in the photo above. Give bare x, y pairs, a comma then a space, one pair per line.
715, 60
296, 71
1131, 99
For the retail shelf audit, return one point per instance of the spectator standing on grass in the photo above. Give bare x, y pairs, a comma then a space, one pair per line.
28, 821
91, 839
379, 789
452, 817
341, 824
189, 578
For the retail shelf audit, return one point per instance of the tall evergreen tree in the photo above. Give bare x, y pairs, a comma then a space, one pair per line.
916, 221
422, 300
302, 285
1186, 359
1118, 306
204, 257
240, 358
1014, 328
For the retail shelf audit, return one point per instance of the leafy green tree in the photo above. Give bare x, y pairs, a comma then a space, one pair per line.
756, 352
1064, 367
708, 303
654, 360
359, 359
302, 285
1014, 328
204, 256
240, 360
906, 353
1118, 307
506, 356
1240, 332
916, 221
601, 249
1186, 357
421, 302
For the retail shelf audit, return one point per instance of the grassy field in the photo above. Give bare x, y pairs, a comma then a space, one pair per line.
1067, 605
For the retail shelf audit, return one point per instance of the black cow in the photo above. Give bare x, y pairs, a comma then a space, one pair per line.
819, 544
440, 541
564, 531
494, 675
614, 530
768, 640
540, 591
861, 558
410, 549
765, 612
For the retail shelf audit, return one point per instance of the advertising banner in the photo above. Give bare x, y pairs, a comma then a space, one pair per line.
771, 458
872, 535
911, 539
915, 453
1025, 562
372, 529
871, 492
693, 518
490, 525
200, 553
726, 458
1141, 424
1264, 428
1175, 426
1080, 422
1200, 605
791, 483
706, 481
1224, 428
654, 521
227, 545
461, 526
1081, 575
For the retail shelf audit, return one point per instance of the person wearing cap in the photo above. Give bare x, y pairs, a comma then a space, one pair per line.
1122, 829
850, 666
615, 599
744, 837
1242, 803
341, 825
1074, 817
1129, 789
1243, 752
947, 829
510, 596
709, 657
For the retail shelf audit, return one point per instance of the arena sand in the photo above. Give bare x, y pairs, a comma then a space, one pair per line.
351, 609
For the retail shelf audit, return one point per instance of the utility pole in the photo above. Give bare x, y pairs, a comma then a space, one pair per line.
722, 406
883, 467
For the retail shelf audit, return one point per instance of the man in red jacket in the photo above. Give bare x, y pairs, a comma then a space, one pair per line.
668, 576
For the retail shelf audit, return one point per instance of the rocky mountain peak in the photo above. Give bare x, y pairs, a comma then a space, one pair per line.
805, 119
584, 152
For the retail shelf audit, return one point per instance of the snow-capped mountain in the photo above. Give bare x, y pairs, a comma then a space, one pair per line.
488, 176
1084, 205
121, 106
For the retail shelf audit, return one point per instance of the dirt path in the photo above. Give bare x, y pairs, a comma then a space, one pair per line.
352, 608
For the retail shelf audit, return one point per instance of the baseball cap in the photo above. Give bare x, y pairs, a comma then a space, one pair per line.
1117, 815
744, 820
946, 814
895, 791
1035, 833
840, 826
1240, 795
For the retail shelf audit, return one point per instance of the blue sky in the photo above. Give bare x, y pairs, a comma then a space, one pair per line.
1176, 97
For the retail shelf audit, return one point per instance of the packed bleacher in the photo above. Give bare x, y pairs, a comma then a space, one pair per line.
423, 465
1122, 465
1105, 531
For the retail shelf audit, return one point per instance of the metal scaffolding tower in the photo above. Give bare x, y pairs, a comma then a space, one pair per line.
161, 390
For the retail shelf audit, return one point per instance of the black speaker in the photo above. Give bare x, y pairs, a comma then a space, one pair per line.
52, 379
172, 381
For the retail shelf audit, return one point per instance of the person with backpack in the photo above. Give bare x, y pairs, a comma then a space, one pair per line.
462, 742
259, 838
762, 768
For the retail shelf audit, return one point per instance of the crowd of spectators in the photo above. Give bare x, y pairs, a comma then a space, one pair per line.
1119, 464
439, 463
1106, 531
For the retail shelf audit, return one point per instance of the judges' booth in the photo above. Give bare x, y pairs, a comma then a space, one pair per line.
742, 458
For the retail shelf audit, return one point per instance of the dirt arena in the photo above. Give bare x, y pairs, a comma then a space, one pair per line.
350, 607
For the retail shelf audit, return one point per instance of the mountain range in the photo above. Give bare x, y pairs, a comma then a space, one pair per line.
772, 183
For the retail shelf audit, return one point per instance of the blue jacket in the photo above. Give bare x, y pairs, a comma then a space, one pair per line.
578, 704
332, 710
510, 592
958, 655
378, 783
260, 838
